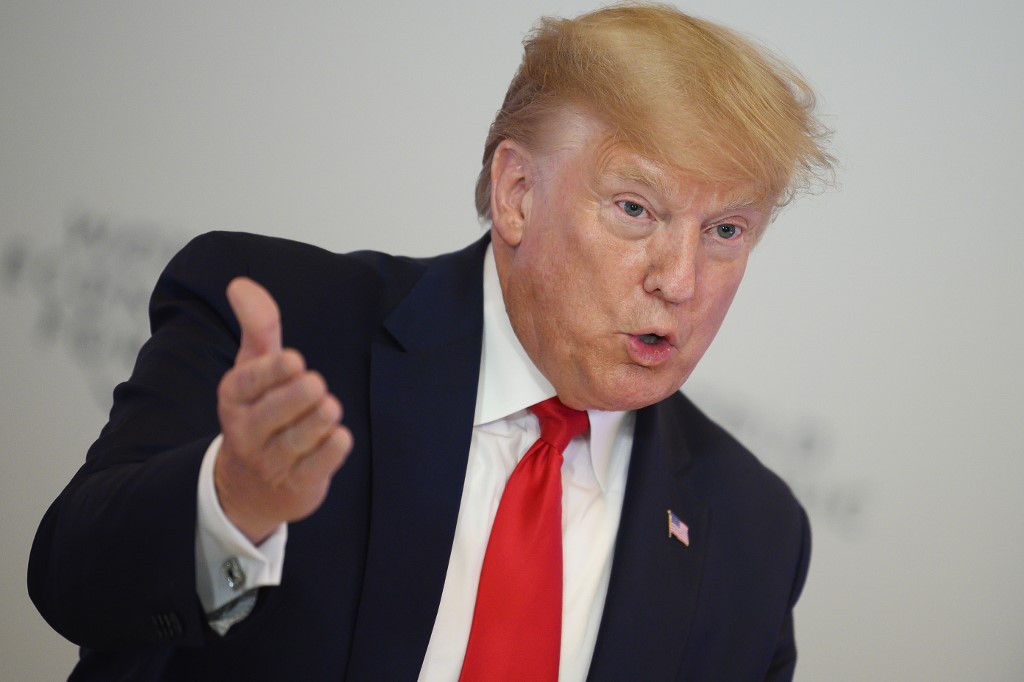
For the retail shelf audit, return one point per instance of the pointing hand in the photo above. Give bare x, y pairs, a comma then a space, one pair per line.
283, 440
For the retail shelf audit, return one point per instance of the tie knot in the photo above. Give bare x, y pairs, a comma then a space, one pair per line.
558, 423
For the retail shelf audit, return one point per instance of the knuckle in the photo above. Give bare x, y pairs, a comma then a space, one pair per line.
231, 418
340, 441
288, 362
245, 381
304, 391
286, 441
329, 409
316, 385
226, 388
290, 440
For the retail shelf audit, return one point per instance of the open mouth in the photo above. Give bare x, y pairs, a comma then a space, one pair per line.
650, 349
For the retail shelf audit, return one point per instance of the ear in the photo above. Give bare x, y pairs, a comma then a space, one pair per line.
511, 181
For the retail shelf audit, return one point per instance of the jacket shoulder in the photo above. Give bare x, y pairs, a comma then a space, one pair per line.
231, 253
729, 474
758, 517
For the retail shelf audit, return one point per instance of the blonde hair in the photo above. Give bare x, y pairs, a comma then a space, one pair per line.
683, 91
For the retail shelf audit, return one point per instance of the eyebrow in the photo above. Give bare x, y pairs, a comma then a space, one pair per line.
732, 200
737, 201
633, 174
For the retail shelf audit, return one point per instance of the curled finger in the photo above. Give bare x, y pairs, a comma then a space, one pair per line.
247, 382
322, 463
305, 433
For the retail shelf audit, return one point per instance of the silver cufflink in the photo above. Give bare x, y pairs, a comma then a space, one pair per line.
234, 574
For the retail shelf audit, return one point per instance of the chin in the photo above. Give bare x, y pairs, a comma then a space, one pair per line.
638, 401
630, 393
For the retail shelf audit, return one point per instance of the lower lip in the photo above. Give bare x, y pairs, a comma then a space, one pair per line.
649, 354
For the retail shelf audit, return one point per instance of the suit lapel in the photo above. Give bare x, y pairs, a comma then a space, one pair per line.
655, 579
424, 375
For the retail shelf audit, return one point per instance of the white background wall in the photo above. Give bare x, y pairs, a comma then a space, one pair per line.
873, 356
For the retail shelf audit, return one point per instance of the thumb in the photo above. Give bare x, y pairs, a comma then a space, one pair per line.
258, 316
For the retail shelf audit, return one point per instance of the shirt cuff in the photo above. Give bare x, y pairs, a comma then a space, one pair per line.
227, 564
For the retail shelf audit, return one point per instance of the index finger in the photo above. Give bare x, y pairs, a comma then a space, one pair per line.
248, 381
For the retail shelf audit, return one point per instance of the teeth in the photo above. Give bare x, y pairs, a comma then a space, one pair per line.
650, 338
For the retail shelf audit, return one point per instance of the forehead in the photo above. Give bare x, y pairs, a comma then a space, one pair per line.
576, 142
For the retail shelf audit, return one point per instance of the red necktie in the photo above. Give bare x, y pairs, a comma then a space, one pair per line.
517, 623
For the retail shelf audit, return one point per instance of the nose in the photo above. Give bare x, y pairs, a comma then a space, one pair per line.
673, 264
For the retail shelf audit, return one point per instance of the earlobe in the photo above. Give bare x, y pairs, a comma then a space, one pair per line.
511, 181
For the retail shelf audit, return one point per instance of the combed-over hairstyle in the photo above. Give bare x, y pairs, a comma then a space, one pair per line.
683, 91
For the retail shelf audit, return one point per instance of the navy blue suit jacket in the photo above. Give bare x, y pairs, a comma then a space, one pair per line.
398, 341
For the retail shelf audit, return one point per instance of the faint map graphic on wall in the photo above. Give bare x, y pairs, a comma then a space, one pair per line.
92, 291
801, 450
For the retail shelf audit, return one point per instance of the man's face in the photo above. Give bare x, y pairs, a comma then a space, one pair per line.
616, 271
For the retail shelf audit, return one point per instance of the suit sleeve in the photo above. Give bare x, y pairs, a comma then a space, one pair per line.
113, 562
783, 664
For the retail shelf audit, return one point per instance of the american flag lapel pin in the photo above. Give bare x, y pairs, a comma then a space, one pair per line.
677, 529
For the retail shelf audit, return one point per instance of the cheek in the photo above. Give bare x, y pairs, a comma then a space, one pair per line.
596, 293
609, 271
718, 298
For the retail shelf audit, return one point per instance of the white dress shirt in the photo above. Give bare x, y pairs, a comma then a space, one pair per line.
593, 485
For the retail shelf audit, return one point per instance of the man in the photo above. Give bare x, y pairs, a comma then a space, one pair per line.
227, 525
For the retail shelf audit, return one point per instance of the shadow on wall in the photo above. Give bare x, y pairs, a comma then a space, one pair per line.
799, 449
92, 291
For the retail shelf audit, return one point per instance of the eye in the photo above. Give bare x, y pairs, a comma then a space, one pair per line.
727, 231
631, 208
